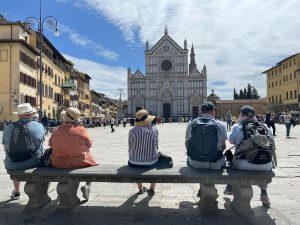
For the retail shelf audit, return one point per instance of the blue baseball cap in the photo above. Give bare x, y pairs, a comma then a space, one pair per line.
207, 106
247, 110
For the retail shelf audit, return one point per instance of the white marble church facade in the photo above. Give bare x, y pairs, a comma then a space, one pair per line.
170, 87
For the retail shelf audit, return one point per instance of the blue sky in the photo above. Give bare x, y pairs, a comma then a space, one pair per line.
237, 40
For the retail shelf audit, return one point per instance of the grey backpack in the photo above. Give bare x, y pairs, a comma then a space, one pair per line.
203, 145
257, 147
21, 147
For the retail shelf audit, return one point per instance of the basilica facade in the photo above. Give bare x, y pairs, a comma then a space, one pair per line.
171, 87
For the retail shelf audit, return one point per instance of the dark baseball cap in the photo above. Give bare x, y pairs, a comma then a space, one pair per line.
207, 106
247, 110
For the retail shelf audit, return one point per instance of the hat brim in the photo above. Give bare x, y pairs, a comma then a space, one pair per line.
146, 122
25, 113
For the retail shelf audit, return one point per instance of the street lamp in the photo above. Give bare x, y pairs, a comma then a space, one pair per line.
51, 23
119, 102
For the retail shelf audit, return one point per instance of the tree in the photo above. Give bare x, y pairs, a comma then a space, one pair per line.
245, 93
241, 95
254, 93
249, 92
235, 95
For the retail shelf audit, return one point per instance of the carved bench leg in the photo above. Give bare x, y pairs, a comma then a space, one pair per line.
67, 192
242, 197
208, 196
37, 193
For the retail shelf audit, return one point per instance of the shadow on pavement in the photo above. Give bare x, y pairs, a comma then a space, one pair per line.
131, 212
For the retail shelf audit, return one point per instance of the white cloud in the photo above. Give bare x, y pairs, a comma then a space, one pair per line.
105, 79
237, 40
86, 43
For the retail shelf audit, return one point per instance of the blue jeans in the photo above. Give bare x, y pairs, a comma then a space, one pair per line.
288, 128
228, 122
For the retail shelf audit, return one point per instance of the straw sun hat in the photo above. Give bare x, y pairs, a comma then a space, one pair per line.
142, 118
72, 114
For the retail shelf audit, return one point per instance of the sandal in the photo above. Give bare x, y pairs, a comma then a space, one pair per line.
142, 191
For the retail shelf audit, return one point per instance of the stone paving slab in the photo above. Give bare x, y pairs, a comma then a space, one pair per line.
118, 203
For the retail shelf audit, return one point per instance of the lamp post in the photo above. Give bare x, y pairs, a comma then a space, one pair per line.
120, 105
51, 23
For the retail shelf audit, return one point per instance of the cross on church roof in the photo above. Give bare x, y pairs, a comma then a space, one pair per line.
166, 29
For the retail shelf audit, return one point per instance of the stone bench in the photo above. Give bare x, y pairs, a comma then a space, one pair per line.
38, 179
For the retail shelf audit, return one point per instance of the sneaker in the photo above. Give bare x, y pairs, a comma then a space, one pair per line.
85, 192
228, 190
151, 192
142, 191
265, 199
15, 195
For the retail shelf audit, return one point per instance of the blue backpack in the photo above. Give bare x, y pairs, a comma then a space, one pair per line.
203, 145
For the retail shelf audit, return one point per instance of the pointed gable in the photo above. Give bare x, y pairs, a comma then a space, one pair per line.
195, 73
138, 75
165, 41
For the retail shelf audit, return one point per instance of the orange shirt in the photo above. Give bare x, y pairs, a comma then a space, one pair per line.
70, 145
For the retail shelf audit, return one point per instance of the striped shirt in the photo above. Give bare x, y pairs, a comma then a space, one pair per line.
143, 145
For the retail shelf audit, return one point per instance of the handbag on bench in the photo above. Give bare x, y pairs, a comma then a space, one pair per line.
164, 161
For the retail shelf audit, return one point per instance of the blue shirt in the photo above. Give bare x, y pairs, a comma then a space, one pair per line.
36, 131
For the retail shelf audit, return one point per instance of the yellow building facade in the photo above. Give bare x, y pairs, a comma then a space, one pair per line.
20, 76
84, 94
283, 85
56, 72
18, 69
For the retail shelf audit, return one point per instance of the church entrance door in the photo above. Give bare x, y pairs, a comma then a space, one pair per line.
166, 111
195, 111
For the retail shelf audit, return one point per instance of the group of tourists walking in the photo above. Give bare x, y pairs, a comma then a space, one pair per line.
205, 143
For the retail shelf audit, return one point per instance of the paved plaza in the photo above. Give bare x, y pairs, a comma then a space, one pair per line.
116, 203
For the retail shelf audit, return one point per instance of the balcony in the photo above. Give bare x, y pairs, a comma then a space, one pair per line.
68, 84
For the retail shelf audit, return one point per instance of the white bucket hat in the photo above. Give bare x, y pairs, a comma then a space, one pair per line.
24, 109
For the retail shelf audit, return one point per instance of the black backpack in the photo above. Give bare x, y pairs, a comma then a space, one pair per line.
21, 147
203, 145
257, 147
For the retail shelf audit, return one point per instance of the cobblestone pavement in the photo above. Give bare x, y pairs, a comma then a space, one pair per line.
114, 203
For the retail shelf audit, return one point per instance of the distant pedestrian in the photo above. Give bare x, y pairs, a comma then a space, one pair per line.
131, 122
45, 123
270, 121
112, 123
288, 122
124, 122
228, 118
